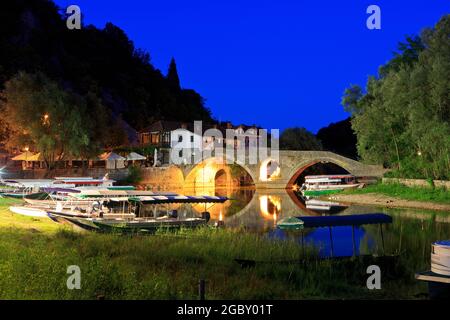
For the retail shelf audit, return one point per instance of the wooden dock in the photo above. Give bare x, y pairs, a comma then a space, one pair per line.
433, 277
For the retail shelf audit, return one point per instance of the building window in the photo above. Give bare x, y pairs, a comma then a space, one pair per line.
180, 138
166, 137
180, 153
154, 138
192, 138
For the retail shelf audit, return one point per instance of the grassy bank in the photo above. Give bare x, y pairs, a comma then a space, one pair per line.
437, 195
35, 254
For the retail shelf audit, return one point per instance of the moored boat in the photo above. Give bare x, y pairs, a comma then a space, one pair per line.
440, 257
319, 185
29, 211
142, 225
146, 225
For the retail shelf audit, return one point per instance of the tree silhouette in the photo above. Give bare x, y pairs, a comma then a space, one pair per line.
172, 76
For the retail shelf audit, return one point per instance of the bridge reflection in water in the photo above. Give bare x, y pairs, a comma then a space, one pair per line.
258, 210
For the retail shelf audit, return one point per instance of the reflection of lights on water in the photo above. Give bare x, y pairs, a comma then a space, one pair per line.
270, 206
275, 219
220, 216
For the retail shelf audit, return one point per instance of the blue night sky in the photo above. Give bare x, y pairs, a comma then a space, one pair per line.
273, 63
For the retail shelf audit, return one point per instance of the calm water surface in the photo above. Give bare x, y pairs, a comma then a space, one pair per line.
411, 232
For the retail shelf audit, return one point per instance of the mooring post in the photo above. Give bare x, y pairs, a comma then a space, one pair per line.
353, 240
201, 289
382, 238
331, 242
303, 244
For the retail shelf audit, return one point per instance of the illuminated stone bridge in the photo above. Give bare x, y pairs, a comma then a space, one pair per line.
273, 173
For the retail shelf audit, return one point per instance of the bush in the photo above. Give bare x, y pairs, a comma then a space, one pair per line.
134, 175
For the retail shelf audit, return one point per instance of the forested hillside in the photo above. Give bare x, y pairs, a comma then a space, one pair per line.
103, 62
75, 92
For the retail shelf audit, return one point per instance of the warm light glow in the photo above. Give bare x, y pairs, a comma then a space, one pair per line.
220, 216
45, 119
205, 175
26, 149
269, 170
275, 206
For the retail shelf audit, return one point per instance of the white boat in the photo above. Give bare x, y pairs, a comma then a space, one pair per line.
319, 185
34, 185
440, 257
29, 211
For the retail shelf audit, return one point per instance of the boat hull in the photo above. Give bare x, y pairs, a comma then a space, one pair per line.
27, 211
318, 193
127, 226
14, 195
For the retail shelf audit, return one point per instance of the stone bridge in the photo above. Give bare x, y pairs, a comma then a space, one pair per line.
288, 167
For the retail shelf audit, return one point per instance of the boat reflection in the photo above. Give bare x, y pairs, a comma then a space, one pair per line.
342, 244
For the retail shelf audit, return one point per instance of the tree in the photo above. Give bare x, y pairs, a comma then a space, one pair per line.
299, 139
34, 38
172, 76
403, 118
38, 111
339, 138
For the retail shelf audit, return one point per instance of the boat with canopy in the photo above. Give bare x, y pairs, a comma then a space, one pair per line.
134, 214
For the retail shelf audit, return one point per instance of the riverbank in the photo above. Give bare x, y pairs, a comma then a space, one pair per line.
397, 196
35, 254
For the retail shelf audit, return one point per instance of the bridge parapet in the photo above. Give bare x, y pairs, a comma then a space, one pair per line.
291, 164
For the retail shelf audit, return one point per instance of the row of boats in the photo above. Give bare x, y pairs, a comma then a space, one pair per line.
98, 205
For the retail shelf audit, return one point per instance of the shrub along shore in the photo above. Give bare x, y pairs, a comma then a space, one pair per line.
35, 254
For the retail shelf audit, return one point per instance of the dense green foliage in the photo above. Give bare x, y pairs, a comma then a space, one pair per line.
339, 138
403, 118
91, 68
299, 139
134, 175
439, 195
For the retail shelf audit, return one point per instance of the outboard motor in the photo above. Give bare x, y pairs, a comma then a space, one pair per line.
206, 216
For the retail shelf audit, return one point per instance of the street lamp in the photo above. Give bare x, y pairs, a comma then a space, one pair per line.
45, 119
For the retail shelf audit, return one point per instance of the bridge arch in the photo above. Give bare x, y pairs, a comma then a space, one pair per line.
206, 172
297, 170
269, 169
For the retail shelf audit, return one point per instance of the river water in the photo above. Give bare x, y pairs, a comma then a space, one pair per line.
411, 232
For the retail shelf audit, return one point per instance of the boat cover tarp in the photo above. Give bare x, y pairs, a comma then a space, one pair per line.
60, 190
345, 220
180, 199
